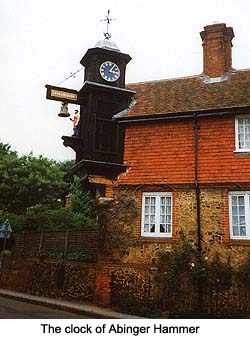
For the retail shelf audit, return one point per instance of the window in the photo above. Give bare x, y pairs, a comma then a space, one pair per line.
239, 214
157, 214
242, 133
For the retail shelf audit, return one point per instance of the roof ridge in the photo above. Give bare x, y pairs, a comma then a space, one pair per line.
164, 80
180, 78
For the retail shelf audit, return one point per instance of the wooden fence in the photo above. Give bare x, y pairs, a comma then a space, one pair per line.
57, 243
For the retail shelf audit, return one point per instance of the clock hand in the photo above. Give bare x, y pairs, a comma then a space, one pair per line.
111, 70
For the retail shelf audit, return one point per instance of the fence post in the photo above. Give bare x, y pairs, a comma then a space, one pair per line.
23, 243
40, 243
66, 243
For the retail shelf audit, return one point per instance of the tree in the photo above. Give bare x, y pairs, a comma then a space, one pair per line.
26, 181
5, 149
65, 168
81, 201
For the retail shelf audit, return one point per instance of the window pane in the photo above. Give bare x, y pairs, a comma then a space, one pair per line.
235, 231
235, 220
243, 231
163, 200
240, 122
234, 200
152, 228
241, 210
168, 201
162, 228
234, 210
242, 221
168, 228
163, 219
241, 200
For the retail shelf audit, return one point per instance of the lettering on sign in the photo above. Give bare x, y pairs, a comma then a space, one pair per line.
63, 95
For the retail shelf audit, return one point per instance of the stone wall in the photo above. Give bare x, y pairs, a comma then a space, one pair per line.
126, 254
49, 277
122, 240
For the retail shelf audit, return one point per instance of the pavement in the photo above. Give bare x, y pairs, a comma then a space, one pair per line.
87, 309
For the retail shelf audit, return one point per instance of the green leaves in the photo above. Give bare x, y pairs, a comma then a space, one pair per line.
81, 200
26, 181
33, 191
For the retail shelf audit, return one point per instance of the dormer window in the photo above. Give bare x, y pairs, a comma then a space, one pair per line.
242, 133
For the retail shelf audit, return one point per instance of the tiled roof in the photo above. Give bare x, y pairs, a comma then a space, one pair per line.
190, 94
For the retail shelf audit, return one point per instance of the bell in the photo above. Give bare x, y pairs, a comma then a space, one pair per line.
64, 110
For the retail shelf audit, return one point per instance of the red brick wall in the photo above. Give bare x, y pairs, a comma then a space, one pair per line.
164, 153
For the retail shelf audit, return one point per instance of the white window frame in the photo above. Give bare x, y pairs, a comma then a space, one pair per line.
237, 148
157, 232
246, 195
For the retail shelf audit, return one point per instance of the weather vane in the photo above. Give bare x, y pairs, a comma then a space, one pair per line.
107, 35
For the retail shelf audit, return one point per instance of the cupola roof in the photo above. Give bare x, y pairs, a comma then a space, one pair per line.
107, 44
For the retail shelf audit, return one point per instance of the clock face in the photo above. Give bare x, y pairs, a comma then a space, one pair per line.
109, 71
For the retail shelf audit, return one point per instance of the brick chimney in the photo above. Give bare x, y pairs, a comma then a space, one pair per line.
217, 50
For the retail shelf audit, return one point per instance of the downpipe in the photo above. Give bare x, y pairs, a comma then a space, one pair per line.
198, 208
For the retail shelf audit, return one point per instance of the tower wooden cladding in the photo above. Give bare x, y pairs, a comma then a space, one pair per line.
99, 146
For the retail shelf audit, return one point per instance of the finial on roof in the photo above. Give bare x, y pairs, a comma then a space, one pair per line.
107, 35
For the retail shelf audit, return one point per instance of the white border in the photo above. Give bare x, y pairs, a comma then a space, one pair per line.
237, 149
247, 212
157, 214
109, 80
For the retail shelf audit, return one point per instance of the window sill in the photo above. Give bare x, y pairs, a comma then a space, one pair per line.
233, 242
241, 153
155, 239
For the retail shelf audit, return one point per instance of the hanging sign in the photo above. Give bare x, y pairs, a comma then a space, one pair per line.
62, 94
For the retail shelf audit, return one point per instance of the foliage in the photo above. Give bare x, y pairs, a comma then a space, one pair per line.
184, 261
82, 257
117, 218
5, 149
244, 272
26, 181
220, 274
65, 168
81, 201
33, 190
40, 217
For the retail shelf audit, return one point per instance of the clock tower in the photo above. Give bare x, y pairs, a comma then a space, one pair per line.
103, 96
105, 64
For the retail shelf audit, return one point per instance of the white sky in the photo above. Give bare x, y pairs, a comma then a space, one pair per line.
42, 41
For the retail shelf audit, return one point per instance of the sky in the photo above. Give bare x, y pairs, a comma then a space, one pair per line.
43, 41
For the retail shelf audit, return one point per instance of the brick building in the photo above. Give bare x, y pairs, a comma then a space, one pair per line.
184, 166
187, 148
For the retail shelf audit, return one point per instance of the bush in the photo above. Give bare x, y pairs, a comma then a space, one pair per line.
41, 217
